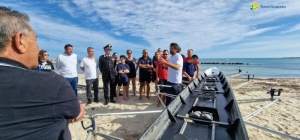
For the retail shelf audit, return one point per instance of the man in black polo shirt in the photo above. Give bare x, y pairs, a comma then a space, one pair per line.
145, 65
31, 110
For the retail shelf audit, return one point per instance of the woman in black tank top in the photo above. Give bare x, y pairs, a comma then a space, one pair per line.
132, 63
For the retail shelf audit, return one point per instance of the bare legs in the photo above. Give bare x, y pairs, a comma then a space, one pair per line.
125, 96
163, 98
148, 89
133, 81
118, 92
142, 84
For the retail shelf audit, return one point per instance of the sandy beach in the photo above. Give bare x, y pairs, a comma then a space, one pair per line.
282, 116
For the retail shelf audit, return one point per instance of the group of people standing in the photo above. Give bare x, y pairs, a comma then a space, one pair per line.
116, 72
32, 110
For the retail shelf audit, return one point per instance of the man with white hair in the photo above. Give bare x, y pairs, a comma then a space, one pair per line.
34, 105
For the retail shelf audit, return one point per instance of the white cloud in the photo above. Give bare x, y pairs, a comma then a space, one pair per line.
294, 28
265, 47
193, 24
259, 31
53, 34
200, 25
118, 33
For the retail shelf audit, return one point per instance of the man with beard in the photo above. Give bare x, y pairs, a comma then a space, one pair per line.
175, 65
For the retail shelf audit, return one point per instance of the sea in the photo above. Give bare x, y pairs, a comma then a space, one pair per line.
259, 67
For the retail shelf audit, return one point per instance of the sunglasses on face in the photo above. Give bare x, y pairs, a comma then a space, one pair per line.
108, 49
46, 54
129, 53
165, 54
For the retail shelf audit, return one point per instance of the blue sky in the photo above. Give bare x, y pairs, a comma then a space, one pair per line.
213, 29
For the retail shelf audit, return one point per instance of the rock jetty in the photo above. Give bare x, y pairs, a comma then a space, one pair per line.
225, 63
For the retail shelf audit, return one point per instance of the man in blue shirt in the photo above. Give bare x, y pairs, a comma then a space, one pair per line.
145, 65
32, 106
189, 69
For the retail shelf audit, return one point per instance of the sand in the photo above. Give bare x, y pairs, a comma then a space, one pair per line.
283, 116
124, 126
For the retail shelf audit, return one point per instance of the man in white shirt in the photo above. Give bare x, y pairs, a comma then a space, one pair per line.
66, 64
89, 65
175, 65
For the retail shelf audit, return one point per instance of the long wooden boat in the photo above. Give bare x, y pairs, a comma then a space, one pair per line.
205, 110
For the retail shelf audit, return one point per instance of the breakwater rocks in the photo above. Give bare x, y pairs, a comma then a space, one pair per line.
225, 63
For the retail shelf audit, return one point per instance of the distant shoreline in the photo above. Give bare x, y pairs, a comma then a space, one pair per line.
292, 57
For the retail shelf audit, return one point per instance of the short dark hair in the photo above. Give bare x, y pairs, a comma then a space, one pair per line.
89, 48
165, 51
123, 56
194, 56
115, 53
176, 47
68, 45
128, 51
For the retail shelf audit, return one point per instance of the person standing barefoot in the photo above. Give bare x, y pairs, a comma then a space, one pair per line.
145, 64
122, 78
132, 63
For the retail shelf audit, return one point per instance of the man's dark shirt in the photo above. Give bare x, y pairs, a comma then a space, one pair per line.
147, 61
32, 106
154, 60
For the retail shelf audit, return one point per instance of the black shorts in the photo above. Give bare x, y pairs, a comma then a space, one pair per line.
144, 77
122, 83
153, 77
131, 74
162, 82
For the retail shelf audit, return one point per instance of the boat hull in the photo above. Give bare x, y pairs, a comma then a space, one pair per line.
212, 95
